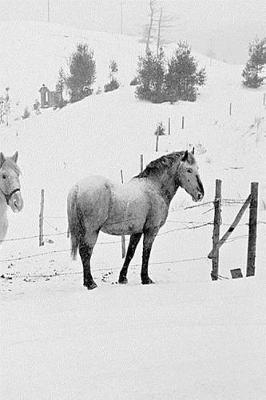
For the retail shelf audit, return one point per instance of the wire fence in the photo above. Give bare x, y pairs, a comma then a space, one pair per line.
103, 269
36, 255
99, 243
188, 225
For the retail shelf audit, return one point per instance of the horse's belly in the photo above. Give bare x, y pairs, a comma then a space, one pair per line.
115, 229
125, 219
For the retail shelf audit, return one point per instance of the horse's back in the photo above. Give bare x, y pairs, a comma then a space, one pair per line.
92, 184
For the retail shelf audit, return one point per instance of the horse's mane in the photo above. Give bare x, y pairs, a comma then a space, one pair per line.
11, 164
159, 165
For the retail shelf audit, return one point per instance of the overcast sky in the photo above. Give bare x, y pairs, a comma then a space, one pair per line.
224, 26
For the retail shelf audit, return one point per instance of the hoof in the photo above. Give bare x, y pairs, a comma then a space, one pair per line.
147, 281
90, 285
123, 280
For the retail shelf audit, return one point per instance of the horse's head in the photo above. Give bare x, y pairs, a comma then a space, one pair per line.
9, 181
188, 176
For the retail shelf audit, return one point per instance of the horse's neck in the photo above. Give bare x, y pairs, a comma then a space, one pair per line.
3, 206
168, 186
3, 217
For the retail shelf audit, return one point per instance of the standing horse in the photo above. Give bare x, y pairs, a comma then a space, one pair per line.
9, 190
138, 207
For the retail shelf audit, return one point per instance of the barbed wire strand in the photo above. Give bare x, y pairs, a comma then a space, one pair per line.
159, 234
65, 233
36, 255
178, 261
226, 201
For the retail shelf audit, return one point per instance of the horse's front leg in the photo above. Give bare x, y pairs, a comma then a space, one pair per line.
85, 251
148, 240
133, 242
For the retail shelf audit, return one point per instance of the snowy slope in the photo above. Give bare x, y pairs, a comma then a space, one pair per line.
174, 340
32, 53
183, 338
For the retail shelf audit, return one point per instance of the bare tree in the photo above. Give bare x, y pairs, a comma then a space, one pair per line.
164, 22
159, 22
159, 31
150, 26
211, 54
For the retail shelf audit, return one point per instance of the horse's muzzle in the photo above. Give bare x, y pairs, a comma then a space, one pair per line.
198, 197
16, 202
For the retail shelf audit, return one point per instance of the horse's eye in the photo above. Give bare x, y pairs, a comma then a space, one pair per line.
189, 170
4, 176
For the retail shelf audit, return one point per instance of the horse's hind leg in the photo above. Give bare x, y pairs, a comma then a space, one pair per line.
133, 242
85, 250
148, 240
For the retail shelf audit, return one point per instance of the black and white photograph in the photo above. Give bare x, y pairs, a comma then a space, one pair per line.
133, 199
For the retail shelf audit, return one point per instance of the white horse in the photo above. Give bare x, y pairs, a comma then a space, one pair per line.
9, 190
139, 207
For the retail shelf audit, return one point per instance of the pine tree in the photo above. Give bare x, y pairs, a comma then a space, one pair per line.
82, 68
257, 51
180, 81
2, 109
113, 69
59, 87
113, 84
254, 66
251, 75
151, 77
160, 130
183, 76
5, 108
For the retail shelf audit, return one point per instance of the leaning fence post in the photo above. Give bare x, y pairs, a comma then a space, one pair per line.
123, 239
216, 228
231, 228
252, 231
41, 242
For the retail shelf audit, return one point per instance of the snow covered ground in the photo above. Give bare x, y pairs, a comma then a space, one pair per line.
185, 337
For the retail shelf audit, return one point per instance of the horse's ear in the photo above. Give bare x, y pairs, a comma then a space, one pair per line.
193, 151
2, 159
185, 156
15, 157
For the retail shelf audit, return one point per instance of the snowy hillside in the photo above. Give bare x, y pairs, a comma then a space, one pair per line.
32, 53
185, 337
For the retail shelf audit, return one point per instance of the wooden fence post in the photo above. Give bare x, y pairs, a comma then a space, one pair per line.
41, 242
216, 228
169, 126
264, 99
252, 232
157, 141
123, 239
141, 163
230, 109
183, 122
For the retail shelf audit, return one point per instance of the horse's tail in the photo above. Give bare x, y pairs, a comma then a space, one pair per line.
75, 221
